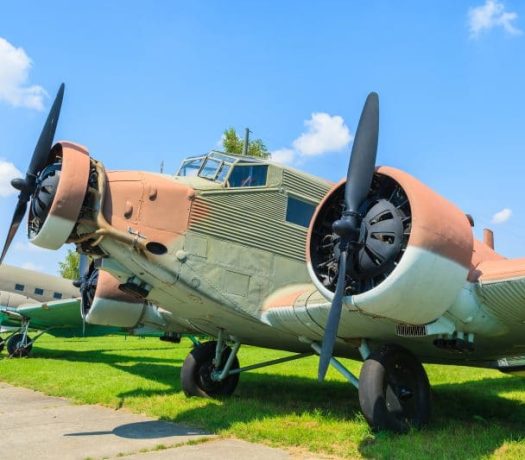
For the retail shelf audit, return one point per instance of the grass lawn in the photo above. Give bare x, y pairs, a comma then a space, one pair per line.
477, 413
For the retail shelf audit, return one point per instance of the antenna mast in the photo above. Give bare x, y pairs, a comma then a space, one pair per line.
246, 141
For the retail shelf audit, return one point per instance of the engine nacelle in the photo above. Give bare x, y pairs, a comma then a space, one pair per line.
57, 200
415, 257
112, 307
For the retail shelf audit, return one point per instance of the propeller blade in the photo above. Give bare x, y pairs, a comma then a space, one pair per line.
363, 157
358, 182
20, 211
38, 162
45, 141
334, 316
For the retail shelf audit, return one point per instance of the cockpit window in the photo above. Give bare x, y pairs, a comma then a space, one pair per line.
190, 167
248, 176
223, 172
228, 169
210, 168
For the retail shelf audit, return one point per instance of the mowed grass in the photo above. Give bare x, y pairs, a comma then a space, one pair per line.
477, 413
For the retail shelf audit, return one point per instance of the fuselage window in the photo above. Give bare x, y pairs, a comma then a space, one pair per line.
57, 295
248, 176
19, 287
299, 212
39, 291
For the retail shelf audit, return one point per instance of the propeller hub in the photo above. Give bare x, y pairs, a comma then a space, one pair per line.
20, 184
348, 227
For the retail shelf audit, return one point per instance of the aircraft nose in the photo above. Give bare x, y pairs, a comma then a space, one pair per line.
153, 208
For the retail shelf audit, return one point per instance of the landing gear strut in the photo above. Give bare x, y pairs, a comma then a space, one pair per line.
394, 391
19, 345
199, 373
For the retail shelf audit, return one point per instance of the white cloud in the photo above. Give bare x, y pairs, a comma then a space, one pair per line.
326, 133
8, 171
15, 65
501, 216
490, 15
284, 156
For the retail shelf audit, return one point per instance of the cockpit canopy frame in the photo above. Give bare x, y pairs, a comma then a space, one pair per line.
232, 171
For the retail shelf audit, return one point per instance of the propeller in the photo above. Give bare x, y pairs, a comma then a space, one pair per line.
27, 186
87, 283
348, 227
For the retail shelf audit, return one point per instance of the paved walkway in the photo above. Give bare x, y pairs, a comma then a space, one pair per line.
34, 425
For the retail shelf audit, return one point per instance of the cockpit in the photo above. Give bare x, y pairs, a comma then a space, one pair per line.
231, 170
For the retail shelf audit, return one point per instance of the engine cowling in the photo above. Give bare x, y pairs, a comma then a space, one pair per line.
415, 256
105, 304
60, 191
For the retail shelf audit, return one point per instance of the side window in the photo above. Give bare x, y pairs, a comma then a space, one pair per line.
39, 291
299, 212
248, 176
57, 295
19, 287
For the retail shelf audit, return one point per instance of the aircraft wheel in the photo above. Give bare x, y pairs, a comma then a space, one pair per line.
394, 391
196, 371
2, 344
17, 348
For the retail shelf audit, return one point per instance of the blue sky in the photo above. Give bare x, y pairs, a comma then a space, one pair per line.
156, 81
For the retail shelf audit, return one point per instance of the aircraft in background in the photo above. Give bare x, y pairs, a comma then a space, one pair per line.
377, 267
30, 300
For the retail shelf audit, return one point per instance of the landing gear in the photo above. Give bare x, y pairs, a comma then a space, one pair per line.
201, 376
394, 391
19, 345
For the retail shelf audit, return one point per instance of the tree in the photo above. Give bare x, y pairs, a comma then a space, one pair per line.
232, 143
70, 267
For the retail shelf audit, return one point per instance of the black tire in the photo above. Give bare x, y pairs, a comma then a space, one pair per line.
394, 391
2, 344
195, 374
17, 348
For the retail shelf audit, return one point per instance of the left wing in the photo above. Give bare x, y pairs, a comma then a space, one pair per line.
57, 313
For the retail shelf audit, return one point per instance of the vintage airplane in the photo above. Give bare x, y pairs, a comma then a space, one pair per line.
377, 267
30, 300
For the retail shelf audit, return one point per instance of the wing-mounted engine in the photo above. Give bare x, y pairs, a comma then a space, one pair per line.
104, 304
414, 252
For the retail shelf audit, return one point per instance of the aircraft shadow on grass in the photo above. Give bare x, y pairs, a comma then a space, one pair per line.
473, 403
150, 429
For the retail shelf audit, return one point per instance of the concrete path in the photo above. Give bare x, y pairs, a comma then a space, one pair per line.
34, 425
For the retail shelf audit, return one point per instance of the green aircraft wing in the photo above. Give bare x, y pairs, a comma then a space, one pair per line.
53, 314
